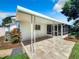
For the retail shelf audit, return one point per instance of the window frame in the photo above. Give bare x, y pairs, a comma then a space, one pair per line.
37, 27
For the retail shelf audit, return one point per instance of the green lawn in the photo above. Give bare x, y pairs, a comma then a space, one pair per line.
18, 56
75, 52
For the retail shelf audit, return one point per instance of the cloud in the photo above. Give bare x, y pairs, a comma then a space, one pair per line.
59, 5
5, 14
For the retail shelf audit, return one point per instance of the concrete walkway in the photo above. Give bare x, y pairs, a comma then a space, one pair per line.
5, 52
16, 51
10, 52
52, 48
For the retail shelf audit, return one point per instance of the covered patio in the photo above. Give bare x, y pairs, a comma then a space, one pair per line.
37, 29
35, 25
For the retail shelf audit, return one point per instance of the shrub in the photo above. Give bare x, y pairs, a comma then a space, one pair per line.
73, 33
77, 35
15, 35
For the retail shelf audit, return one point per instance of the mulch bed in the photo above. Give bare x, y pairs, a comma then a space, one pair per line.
71, 39
7, 45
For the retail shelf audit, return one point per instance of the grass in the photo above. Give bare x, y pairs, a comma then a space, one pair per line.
75, 52
18, 56
73, 33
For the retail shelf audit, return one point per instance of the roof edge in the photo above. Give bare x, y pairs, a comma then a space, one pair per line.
38, 14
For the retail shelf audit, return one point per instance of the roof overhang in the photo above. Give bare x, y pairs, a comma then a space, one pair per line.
25, 10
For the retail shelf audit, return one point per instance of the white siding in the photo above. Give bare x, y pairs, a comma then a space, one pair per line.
25, 26
42, 31
25, 31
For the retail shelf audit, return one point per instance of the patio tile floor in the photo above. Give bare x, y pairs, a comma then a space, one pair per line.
52, 48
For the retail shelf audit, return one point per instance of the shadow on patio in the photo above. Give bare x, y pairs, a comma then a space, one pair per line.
27, 42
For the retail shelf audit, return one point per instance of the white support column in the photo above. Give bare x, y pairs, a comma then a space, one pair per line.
57, 29
61, 30
32, 36
53, 30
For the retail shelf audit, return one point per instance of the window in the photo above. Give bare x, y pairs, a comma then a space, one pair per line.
55, 27
59, 29
55, 30
37, 27
49, 29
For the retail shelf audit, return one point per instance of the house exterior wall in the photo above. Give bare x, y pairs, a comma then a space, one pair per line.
42, 31
25, 31
25, 26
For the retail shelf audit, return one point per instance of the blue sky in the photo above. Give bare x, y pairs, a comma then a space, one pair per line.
47, 7
8, 5
38, 5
